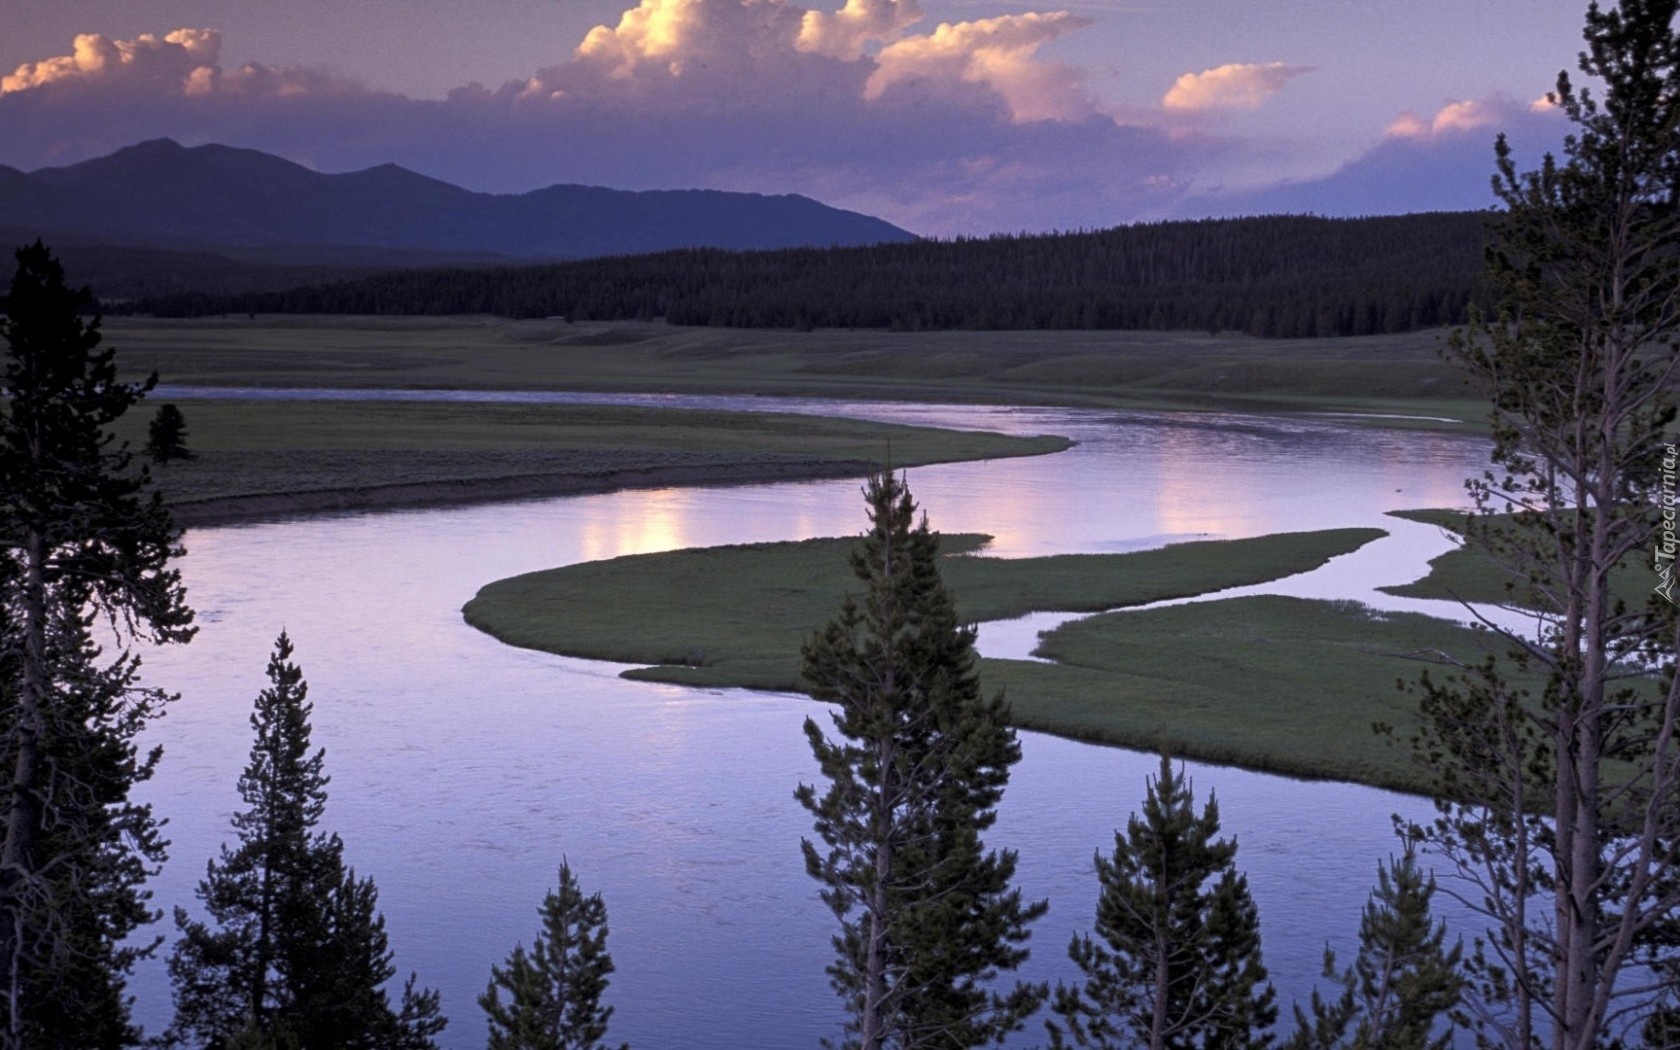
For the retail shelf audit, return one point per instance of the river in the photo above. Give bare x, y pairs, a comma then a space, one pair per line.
463, 770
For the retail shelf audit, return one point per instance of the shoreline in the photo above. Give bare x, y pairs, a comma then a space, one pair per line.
254, 509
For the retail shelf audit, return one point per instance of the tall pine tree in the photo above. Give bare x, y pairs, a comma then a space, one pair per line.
1557, 806
295, 954
554, 990
80, 534
1404, 984
1176, 961
928, 916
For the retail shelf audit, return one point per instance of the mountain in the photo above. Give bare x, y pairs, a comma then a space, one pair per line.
259, 208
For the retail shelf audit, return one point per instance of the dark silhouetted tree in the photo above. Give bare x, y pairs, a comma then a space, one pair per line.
80, 536
1175, 964
928, 916
554, 990
1403, 986
166, 436
295, 953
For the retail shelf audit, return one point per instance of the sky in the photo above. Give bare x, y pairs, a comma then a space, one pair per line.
947, 117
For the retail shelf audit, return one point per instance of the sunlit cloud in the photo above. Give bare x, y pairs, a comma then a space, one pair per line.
1233, 86
1000, 53
1452, 119
180, 63
180, 57
844, 34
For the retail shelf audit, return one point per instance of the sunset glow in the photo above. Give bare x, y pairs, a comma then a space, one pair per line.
935, 115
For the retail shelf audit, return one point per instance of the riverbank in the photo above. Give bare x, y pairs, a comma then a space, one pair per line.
1399, 380
235, 510
263, 459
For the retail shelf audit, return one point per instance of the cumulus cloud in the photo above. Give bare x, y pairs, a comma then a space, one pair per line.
180, 63
1455, 118
844, 34
1000, 53
1233, 86
174, 58
674, 37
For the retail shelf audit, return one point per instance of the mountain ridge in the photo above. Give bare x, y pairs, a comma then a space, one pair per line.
161, 194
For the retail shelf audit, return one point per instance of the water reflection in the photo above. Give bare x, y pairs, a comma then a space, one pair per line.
463, 769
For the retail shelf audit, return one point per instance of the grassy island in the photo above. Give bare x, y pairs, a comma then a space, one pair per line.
1280, 684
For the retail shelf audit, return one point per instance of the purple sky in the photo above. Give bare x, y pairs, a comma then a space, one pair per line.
944, 116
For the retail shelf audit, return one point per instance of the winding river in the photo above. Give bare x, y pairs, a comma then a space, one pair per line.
463, 770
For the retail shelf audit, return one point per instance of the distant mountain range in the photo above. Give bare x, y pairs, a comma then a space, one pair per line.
244, 219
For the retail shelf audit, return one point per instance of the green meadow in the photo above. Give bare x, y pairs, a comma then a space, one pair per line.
291, 448
1400, 375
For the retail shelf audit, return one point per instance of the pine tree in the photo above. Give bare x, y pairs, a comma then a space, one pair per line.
554, 990
295, 954
79, 534
1176, 961
1403, 982
928, 916
166, 436
1557, 805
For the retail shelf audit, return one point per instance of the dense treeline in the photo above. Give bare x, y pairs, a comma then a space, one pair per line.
1275, 276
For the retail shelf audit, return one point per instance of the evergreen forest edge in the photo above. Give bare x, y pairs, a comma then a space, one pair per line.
1269, 277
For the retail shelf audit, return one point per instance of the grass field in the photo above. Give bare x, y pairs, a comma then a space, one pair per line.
1280, 684
1395, 375
263, 448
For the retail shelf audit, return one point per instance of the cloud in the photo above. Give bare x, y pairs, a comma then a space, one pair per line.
964, 127
175, 58
1445, 163
1456, 118
844, 34
180, 63
1234, 86
1000, 53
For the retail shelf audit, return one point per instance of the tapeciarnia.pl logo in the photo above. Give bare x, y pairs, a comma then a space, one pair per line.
1666, 543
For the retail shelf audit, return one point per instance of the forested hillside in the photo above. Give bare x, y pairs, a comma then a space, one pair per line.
1275, 276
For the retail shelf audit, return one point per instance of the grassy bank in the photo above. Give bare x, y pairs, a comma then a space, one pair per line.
265, 456
1285, 685
1279, 684
1470, 574
1396, 375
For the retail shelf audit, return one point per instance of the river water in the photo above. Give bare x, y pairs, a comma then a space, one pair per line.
463, 770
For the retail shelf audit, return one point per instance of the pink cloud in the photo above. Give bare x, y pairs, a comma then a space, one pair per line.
1457, 118
174, 58
1233, 86
844, 34
999, 53
180, 63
